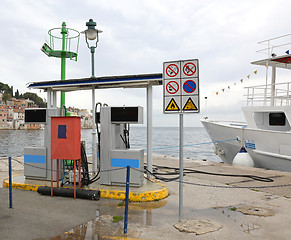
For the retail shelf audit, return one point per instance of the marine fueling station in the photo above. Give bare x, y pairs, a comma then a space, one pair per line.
62, 160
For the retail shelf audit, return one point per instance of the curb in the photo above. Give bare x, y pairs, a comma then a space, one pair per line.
146, 196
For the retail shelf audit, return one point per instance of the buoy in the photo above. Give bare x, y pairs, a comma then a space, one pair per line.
243, 158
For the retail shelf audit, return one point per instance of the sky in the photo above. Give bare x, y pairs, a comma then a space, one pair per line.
138, 37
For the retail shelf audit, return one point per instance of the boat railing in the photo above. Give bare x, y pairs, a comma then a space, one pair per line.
278, 94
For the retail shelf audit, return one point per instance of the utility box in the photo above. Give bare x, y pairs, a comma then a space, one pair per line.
66, 138
115, 152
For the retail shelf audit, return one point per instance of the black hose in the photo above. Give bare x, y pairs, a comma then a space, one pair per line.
190, 171
67, 192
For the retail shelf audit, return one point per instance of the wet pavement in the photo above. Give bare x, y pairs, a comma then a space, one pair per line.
215, 207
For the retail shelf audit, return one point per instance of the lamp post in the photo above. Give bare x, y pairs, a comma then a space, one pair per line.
91, 37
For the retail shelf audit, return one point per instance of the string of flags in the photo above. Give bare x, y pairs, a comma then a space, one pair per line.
235, 83
241, 80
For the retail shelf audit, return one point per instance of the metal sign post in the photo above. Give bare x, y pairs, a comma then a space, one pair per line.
181, 167
181, 95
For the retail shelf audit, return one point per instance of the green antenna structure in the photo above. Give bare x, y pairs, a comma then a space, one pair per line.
63, 44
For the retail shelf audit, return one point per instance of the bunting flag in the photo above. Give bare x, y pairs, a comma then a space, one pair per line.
287, 52
235, 83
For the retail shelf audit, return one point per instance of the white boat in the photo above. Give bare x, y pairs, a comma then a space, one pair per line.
266, 130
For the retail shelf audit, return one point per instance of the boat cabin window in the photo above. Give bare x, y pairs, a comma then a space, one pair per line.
277, 119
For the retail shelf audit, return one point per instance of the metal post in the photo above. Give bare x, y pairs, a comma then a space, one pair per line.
94, 140
52, 192
150, 128
273, 86
10, 182
126, 199
54, 99
181, 168
64, 33
92, 60
75, 179
49, 98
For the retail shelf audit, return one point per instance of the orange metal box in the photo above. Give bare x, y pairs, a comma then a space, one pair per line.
65, 138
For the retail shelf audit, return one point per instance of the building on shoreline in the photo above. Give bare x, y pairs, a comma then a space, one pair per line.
12, 114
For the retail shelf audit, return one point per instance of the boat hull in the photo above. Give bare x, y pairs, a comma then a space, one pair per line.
268, 149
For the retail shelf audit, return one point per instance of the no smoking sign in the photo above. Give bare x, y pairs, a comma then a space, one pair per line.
172, 87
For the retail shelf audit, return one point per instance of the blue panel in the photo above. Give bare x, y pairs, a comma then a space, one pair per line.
121, 162
34, 159
62, 131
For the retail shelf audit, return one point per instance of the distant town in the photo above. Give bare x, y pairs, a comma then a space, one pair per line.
12, 113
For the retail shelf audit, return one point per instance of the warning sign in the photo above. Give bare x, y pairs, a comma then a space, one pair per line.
172, 87
189, 86
181, 86
190, 105
189, 69
172, 106
172, 70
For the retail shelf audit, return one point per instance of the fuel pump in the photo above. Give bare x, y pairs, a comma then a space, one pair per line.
115, 152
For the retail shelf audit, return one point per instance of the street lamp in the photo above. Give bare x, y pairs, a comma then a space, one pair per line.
91, 37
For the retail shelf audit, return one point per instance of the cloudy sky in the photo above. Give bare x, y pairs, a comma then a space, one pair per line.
138, 36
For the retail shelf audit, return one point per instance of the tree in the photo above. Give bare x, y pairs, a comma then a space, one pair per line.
6, 96
32, 96
17, 94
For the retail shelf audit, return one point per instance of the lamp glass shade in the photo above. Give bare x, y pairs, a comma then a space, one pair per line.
91, 34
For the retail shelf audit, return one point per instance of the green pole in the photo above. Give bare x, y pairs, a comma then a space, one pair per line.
64, 33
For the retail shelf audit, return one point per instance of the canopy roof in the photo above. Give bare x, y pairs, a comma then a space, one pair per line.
126, 81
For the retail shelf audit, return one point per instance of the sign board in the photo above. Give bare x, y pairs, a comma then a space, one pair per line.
181, 86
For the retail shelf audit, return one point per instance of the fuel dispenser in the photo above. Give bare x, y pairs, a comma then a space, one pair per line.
115, 152
37, 163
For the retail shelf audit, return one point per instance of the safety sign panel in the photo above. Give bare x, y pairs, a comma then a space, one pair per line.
181, 86
189, 68
189, 86
172, 70
172, 87
172, 106
190, 104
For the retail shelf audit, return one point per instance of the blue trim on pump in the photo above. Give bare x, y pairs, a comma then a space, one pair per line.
121, 162
34, 159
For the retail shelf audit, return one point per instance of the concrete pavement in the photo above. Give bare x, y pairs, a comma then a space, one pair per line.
215, 207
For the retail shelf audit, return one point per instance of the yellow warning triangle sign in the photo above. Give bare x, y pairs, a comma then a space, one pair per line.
172, 106
190, 105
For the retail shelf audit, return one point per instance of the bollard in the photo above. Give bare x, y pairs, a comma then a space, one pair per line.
126, 199
10, 182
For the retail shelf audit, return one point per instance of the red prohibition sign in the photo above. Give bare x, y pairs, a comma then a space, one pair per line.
172, 87
189, 69
172, 70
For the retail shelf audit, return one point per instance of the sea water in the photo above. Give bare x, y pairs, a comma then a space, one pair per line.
197, 144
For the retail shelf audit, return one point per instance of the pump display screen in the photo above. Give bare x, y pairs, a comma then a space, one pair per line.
124, 114
37, 115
